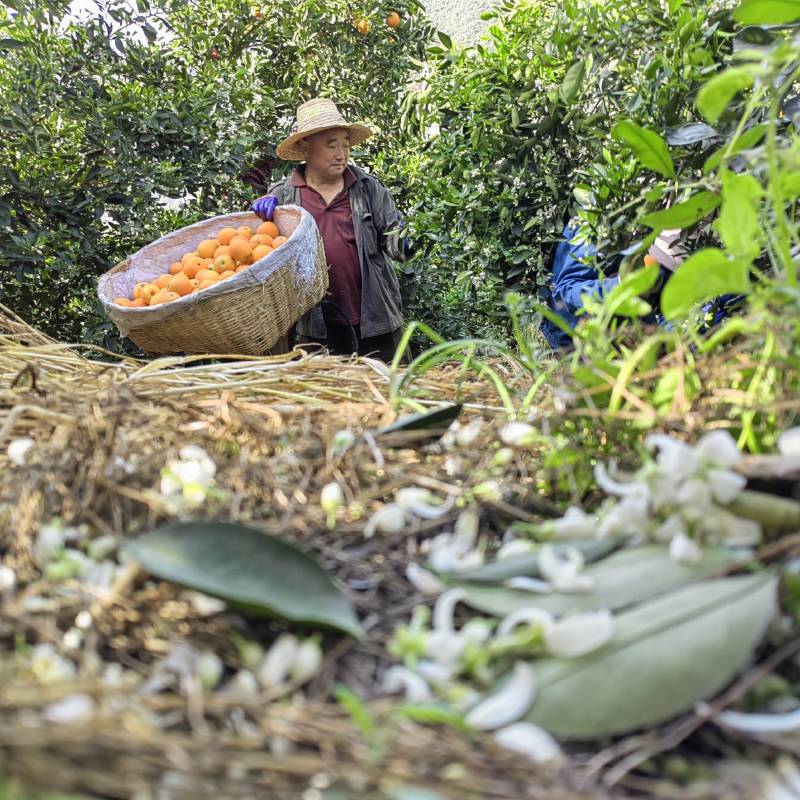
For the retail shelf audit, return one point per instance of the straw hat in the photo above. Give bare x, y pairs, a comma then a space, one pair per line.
314, 116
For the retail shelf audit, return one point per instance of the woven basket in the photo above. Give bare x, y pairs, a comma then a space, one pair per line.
248, 313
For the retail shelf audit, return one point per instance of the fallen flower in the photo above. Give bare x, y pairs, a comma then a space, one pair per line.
510, 702
209, 669
387, 519
719, 448
70, 710
526, 584
760, 723
514, 548
307, 661
575, 524
401, 679
725, 485
423, 580
518, 434
563, 573
579, 635
18, 449
531, 741
789, 443
278, 661
8, 579
683, 550
422, 503
331, 498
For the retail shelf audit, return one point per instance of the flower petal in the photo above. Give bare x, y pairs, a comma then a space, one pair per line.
760, 723
401, 679
575, 524
614, 487
514, 548
518, 434
683, 550
445, 608
531, 741
507, 704
719, 447
423, 580
526, 584
387, 519
580, 634
725, 484
18, 450
422, 503
278, 661
524, 616
789, 443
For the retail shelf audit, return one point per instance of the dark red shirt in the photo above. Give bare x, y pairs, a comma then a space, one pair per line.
335, 223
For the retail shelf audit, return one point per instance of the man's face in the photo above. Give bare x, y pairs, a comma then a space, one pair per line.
328, 152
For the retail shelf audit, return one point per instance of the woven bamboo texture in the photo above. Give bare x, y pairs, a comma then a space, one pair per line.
247, 314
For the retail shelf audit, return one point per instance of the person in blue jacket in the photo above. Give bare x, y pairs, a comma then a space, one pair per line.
575, 275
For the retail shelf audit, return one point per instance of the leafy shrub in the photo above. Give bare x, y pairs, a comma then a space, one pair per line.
103, 116
511, 137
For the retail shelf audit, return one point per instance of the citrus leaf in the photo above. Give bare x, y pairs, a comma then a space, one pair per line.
767, 12
248, 568
648, 146
750, 138
630, 576
572, 82
665, 656
738, 222
707, 274
683, 214
714, 96
691, 133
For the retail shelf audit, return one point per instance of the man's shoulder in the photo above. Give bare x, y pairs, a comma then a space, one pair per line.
367, 180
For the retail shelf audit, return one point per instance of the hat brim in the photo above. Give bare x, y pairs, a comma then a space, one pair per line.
289, 149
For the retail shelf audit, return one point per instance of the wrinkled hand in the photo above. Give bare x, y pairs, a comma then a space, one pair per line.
265, 206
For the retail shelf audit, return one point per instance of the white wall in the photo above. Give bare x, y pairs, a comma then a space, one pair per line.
460, 19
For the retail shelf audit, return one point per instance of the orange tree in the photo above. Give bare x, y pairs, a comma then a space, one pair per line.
510, 138
131, 120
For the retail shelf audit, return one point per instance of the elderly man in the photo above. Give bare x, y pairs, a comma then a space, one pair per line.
360, 228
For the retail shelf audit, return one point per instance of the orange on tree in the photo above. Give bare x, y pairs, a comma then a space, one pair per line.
363, 26
269, 228
650, 261
225, 235
207, 247
393, 20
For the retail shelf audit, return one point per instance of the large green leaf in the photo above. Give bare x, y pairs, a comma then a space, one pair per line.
622, 579
703, 276
648, 146
572, 82
738, 223
750, 138
528, 565
682, 215
665, 656
714, 96
248, 568
767, 12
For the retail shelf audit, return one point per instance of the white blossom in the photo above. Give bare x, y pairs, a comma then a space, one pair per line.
563, 573
683, 550
401, 679
389, 518
8, 579
518, 434
70, 710
422, 503
719, 448
580, 634
423, 580
18, 450
308, 660
676, 459
789, 443
209, 669
531, 615
508, 703
725, 484
575, 524
524, 583
515, 548
278, 661
531, 741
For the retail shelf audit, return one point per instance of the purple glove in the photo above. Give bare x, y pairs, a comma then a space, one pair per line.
265, 206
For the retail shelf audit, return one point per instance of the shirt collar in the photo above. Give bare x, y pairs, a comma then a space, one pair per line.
299, 177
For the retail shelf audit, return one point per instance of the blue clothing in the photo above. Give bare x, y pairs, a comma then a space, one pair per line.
574, 275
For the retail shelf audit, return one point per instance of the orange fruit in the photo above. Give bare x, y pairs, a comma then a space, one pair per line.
180, 284
278, 241
270, 228
222, 250
260, 238
192, 262
186, 256
223, 263
123, 301
245, 231
650, 261
363, 26
162, 280
393, 20
207, 247
164, 297
144, 290
205, 273
140, 302
175, 267
191, 270
241, 249
227, 274
225, 235
208, 282
261, 251
241, 267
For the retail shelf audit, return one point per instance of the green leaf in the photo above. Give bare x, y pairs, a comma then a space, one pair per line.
528, 564
714, 96
665, 656
690, 133
12, 44
573, 80
624, 300
627, 577
684, 214
248, 568
357, 709
445, 39
767, 12
648, 146
738, 223
703, 276
750, 138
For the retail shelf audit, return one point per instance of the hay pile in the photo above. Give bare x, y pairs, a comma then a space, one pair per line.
104, 427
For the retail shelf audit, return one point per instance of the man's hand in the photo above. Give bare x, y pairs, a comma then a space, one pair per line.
265, 206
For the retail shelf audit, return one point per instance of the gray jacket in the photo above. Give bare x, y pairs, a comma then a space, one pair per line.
378, 228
